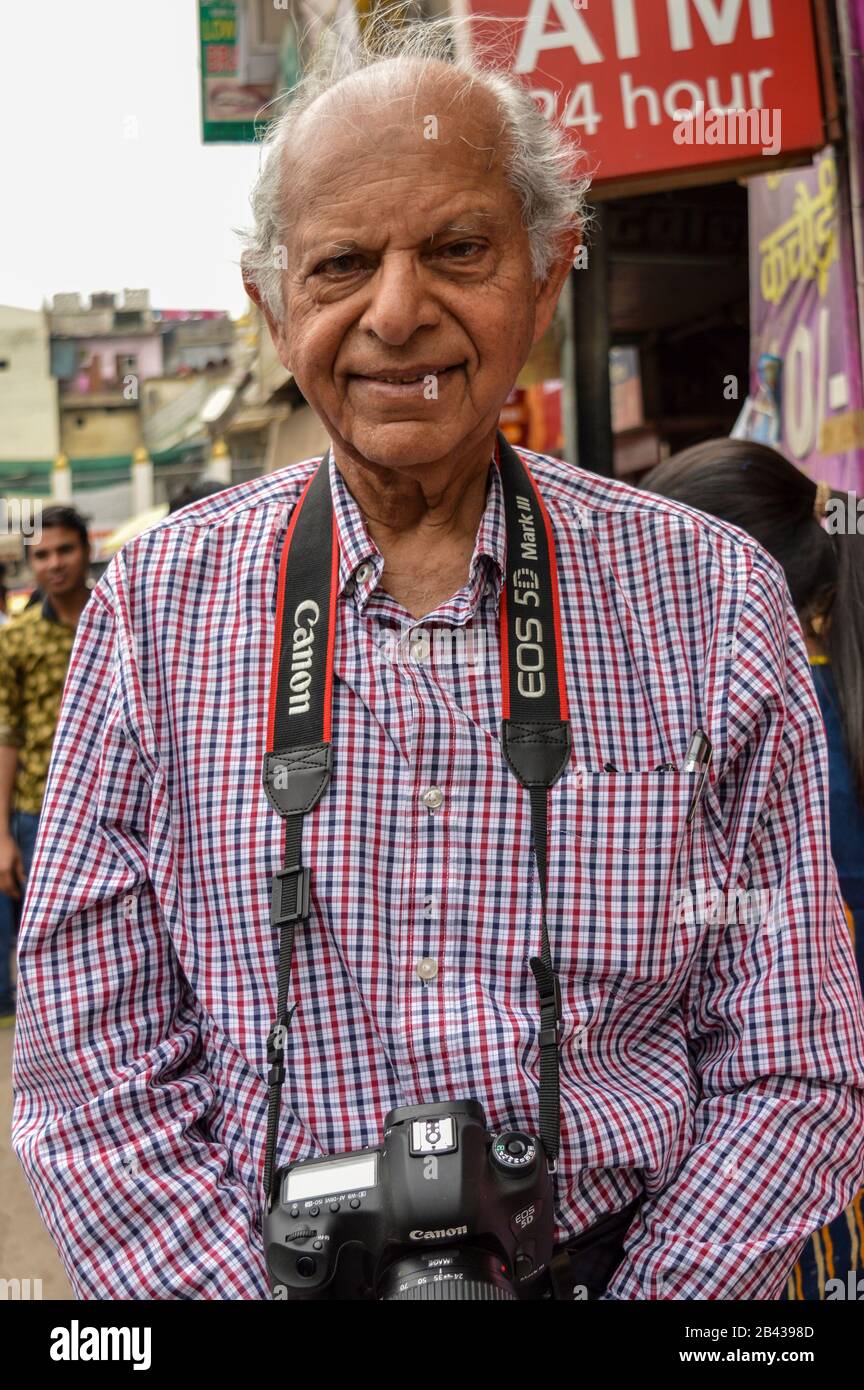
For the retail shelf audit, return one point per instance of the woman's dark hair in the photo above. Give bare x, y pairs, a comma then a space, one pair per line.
68, 517
194, 492
756, 488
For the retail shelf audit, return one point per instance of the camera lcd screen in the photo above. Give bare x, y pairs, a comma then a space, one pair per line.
324, 1179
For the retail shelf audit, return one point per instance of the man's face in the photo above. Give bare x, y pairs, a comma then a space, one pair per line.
59, 561
407, 258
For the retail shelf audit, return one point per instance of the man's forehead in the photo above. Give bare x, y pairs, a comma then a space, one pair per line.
54, 536
404, 97
434, 121
422, 189
399, 156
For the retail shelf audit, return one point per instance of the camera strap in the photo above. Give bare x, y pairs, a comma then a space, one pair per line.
535, 731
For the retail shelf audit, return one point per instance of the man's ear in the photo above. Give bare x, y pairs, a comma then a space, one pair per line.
277, 332
549, 290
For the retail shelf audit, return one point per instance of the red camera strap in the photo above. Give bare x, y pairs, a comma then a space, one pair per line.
535, 729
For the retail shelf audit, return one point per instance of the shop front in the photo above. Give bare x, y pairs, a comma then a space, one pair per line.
725, 196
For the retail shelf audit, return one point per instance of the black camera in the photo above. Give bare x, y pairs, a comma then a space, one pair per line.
442, 1209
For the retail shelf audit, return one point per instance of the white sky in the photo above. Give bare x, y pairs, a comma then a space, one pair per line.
84, 207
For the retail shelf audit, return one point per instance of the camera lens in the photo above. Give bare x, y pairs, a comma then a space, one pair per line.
436, 1275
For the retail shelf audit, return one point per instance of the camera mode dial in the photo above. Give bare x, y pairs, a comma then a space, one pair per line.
514, 1152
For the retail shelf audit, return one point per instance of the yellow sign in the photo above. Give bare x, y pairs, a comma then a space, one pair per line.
803, 247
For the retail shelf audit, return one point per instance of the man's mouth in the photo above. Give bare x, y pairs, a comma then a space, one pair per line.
411, 375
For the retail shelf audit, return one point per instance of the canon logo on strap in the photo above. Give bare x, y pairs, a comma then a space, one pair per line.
301, 656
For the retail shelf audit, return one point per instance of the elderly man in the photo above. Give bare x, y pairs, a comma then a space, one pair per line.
236, 667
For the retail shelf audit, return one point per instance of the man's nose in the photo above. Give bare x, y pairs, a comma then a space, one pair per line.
401, 301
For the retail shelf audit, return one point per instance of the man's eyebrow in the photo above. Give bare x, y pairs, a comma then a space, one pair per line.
337, 248
468, 222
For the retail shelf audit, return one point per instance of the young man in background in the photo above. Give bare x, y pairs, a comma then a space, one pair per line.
35, 648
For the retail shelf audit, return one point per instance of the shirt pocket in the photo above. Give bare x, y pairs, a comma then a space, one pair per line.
622, 845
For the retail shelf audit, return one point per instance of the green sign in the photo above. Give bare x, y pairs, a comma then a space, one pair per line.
229, 101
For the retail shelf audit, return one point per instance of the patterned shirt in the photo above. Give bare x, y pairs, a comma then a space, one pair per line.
35, 648
712, 1046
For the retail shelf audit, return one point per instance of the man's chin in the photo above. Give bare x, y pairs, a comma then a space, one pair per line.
405, 443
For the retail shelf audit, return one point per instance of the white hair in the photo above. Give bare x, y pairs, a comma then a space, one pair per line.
542, 162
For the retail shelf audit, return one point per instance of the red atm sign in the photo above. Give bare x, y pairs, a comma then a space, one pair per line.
623, 74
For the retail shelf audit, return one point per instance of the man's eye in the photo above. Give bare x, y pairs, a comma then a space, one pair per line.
339, 265
462, 250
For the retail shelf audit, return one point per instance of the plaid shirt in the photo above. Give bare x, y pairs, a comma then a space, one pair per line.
710, 1061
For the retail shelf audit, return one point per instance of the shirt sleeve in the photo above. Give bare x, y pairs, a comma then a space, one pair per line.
111, 1090
773, 1009
10, 694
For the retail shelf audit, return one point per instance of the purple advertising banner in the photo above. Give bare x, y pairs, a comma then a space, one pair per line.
804, 320
851, 40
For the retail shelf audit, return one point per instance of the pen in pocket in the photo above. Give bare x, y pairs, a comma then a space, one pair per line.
697, 760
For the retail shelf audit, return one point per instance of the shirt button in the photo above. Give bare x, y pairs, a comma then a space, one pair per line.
363, 573
433, 797
427, 968
419, 644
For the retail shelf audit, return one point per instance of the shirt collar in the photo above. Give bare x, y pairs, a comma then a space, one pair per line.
48, 612
356, 547
361, 562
